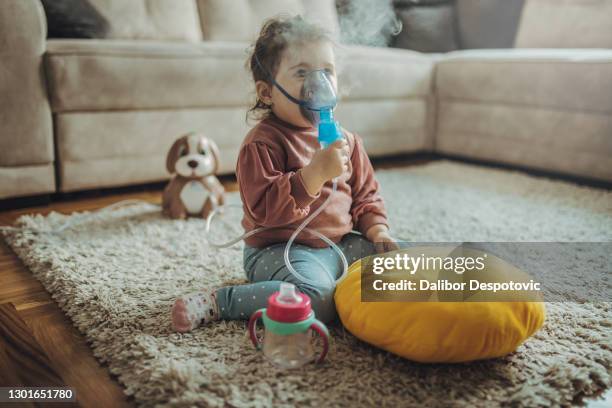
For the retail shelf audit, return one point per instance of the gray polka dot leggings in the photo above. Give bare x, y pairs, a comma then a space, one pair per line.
265, 268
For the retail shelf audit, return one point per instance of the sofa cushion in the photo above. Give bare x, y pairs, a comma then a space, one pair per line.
556, 79
112, 75
151, 19
565, 24
543, 109
569, 142
241, 20
116, 75
114, 148
74, 19
26, 180
372, 23
488, 23
427, 28
377, 72
385, 127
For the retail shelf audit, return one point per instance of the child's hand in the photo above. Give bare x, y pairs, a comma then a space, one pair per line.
332, 161
325, 165
383, 242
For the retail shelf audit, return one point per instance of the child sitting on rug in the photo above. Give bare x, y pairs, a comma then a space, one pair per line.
283, 176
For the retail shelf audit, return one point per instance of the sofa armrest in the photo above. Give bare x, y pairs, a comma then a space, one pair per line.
23, 28
26, 131
25, 116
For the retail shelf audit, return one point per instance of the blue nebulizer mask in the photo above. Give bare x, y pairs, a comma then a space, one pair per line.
317, 103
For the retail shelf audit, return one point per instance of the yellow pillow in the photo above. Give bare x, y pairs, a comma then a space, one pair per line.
435, 331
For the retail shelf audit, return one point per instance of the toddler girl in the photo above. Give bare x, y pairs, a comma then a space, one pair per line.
283, 176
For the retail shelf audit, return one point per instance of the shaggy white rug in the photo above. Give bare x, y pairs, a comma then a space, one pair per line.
116, 274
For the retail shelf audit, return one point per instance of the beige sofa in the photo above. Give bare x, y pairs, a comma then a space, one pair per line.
83, 114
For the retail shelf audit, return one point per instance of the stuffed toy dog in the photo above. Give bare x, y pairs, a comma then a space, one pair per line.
193, 190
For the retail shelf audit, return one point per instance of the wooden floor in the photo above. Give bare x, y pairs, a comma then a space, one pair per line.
38, 344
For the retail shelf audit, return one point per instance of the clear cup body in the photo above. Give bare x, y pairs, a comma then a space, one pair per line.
288, 351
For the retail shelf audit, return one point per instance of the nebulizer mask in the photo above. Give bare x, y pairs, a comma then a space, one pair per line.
317, 102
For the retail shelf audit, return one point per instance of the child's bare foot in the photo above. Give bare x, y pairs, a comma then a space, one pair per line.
194, 309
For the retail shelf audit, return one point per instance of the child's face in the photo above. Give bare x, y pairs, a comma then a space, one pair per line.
296, 61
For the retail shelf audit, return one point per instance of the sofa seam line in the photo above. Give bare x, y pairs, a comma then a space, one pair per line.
523, 105
524, 61
207, 107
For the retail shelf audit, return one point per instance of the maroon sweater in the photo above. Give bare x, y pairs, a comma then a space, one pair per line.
273, 192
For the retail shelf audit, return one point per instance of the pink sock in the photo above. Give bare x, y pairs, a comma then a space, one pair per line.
192, 310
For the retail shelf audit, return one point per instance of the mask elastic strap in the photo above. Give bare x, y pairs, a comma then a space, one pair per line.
299, 102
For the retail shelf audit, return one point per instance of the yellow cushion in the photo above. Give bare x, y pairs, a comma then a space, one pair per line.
434, 331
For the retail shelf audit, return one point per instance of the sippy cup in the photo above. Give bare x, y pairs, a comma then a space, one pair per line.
288, 320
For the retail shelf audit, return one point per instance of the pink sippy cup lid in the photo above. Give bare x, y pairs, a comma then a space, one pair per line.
287, 305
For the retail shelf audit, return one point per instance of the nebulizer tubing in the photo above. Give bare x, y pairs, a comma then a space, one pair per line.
76, 218
329, 132
302, 227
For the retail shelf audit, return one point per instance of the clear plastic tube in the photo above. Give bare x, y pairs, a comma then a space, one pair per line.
299, 229
77, 218
327, 240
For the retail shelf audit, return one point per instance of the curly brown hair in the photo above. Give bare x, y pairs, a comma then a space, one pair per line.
276, 35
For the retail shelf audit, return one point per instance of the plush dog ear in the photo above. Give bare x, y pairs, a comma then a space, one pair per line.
172, 156
215, 152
